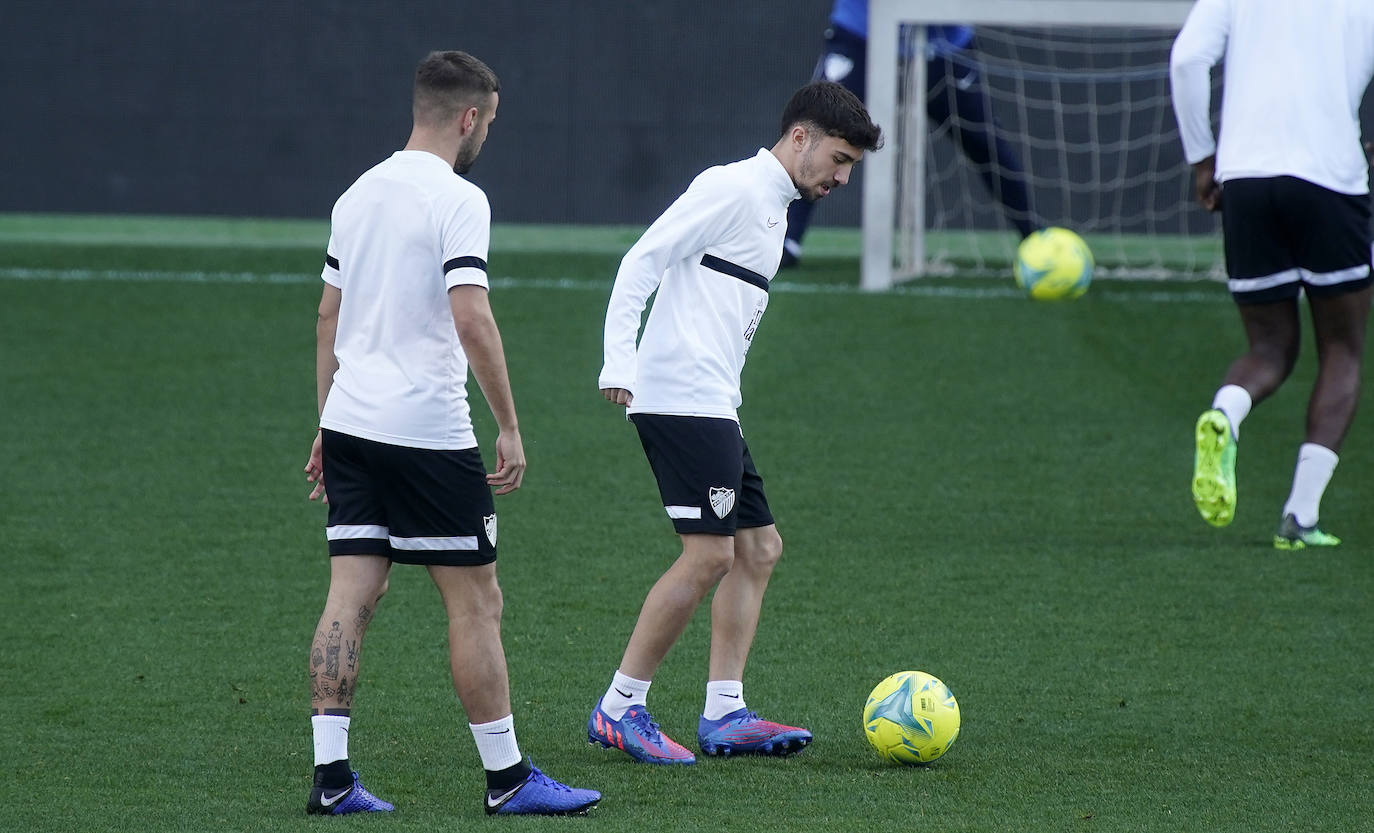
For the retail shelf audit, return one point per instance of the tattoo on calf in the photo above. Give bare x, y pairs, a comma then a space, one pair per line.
331, 652
345, 692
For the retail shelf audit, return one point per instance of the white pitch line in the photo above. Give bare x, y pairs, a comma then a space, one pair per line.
917, 290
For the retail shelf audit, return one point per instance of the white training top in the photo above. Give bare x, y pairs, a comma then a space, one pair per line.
401, 236
711, 256
1294, 76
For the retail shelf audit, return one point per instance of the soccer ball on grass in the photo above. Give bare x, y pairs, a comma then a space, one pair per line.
1053, 264
911, 718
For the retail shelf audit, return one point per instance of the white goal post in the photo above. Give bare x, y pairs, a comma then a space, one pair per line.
881, 170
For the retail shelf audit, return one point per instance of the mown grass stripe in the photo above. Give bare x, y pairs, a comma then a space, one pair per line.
575, 284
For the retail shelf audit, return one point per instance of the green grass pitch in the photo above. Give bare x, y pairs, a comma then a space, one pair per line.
968, 484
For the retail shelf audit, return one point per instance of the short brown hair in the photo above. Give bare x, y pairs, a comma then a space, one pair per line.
835, 111
449, 82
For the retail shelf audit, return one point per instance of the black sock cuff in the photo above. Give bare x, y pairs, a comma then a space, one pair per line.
504, 779
334, 775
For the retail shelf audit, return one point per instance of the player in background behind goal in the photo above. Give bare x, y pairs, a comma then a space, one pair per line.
1291, 180
710, 258
952, 92
403, 315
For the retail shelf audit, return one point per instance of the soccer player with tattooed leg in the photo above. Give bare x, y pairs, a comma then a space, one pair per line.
402, 317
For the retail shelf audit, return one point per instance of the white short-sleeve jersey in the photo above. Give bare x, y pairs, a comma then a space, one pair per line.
1295, 71
401, 236
710, 256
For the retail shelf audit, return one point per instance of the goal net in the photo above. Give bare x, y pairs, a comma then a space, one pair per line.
1056, 113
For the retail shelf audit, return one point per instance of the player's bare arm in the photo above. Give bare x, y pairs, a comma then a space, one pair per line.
482, 343
326, 364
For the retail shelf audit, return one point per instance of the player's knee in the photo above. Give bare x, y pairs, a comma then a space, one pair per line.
490, 603
481, 605
709, 557
763, 550
1280, 355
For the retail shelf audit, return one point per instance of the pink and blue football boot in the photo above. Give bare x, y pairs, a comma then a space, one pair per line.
637, 735
743, 732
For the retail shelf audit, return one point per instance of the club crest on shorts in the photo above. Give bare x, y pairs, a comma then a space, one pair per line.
722, 500
489, 522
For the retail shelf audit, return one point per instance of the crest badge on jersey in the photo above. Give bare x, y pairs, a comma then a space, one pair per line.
490, 523
722, 500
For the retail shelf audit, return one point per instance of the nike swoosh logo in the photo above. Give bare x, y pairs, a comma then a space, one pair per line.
621, 693
502, 732
501, 799
330, 800
731, 696
772, 222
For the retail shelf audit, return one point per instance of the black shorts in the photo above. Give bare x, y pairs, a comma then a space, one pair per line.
1283, 233
411, 505
705, 474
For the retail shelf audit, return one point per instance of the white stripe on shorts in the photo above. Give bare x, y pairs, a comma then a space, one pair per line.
1354, 273
346, 531
1266, 282
684, 513
456, 542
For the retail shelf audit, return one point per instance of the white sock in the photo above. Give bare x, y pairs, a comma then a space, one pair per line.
496, 743
1316, 463
723, 697
623, 693
331, 737
1234, 401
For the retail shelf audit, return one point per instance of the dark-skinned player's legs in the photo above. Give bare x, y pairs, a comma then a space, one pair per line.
1274, 335
1338, 321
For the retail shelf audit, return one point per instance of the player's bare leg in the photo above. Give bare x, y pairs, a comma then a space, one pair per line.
620, 719
356, 583
1339, 325
472, 598
674, 598
727, 725
738, 599
1274, 336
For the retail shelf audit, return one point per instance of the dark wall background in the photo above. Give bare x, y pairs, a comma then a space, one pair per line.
255, 107
608, 107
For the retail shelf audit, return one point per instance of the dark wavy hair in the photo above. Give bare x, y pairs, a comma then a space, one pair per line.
835, 111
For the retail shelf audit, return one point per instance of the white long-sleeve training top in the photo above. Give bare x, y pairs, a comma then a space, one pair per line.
1294, 76
711, 256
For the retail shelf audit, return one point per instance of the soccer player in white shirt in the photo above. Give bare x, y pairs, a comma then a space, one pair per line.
710, 257
1292, 182
402, 317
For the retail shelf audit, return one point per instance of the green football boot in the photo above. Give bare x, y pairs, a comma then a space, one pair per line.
1292, 536
1214, 469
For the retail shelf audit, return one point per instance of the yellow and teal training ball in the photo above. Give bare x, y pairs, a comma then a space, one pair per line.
911, 718
1054, 264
